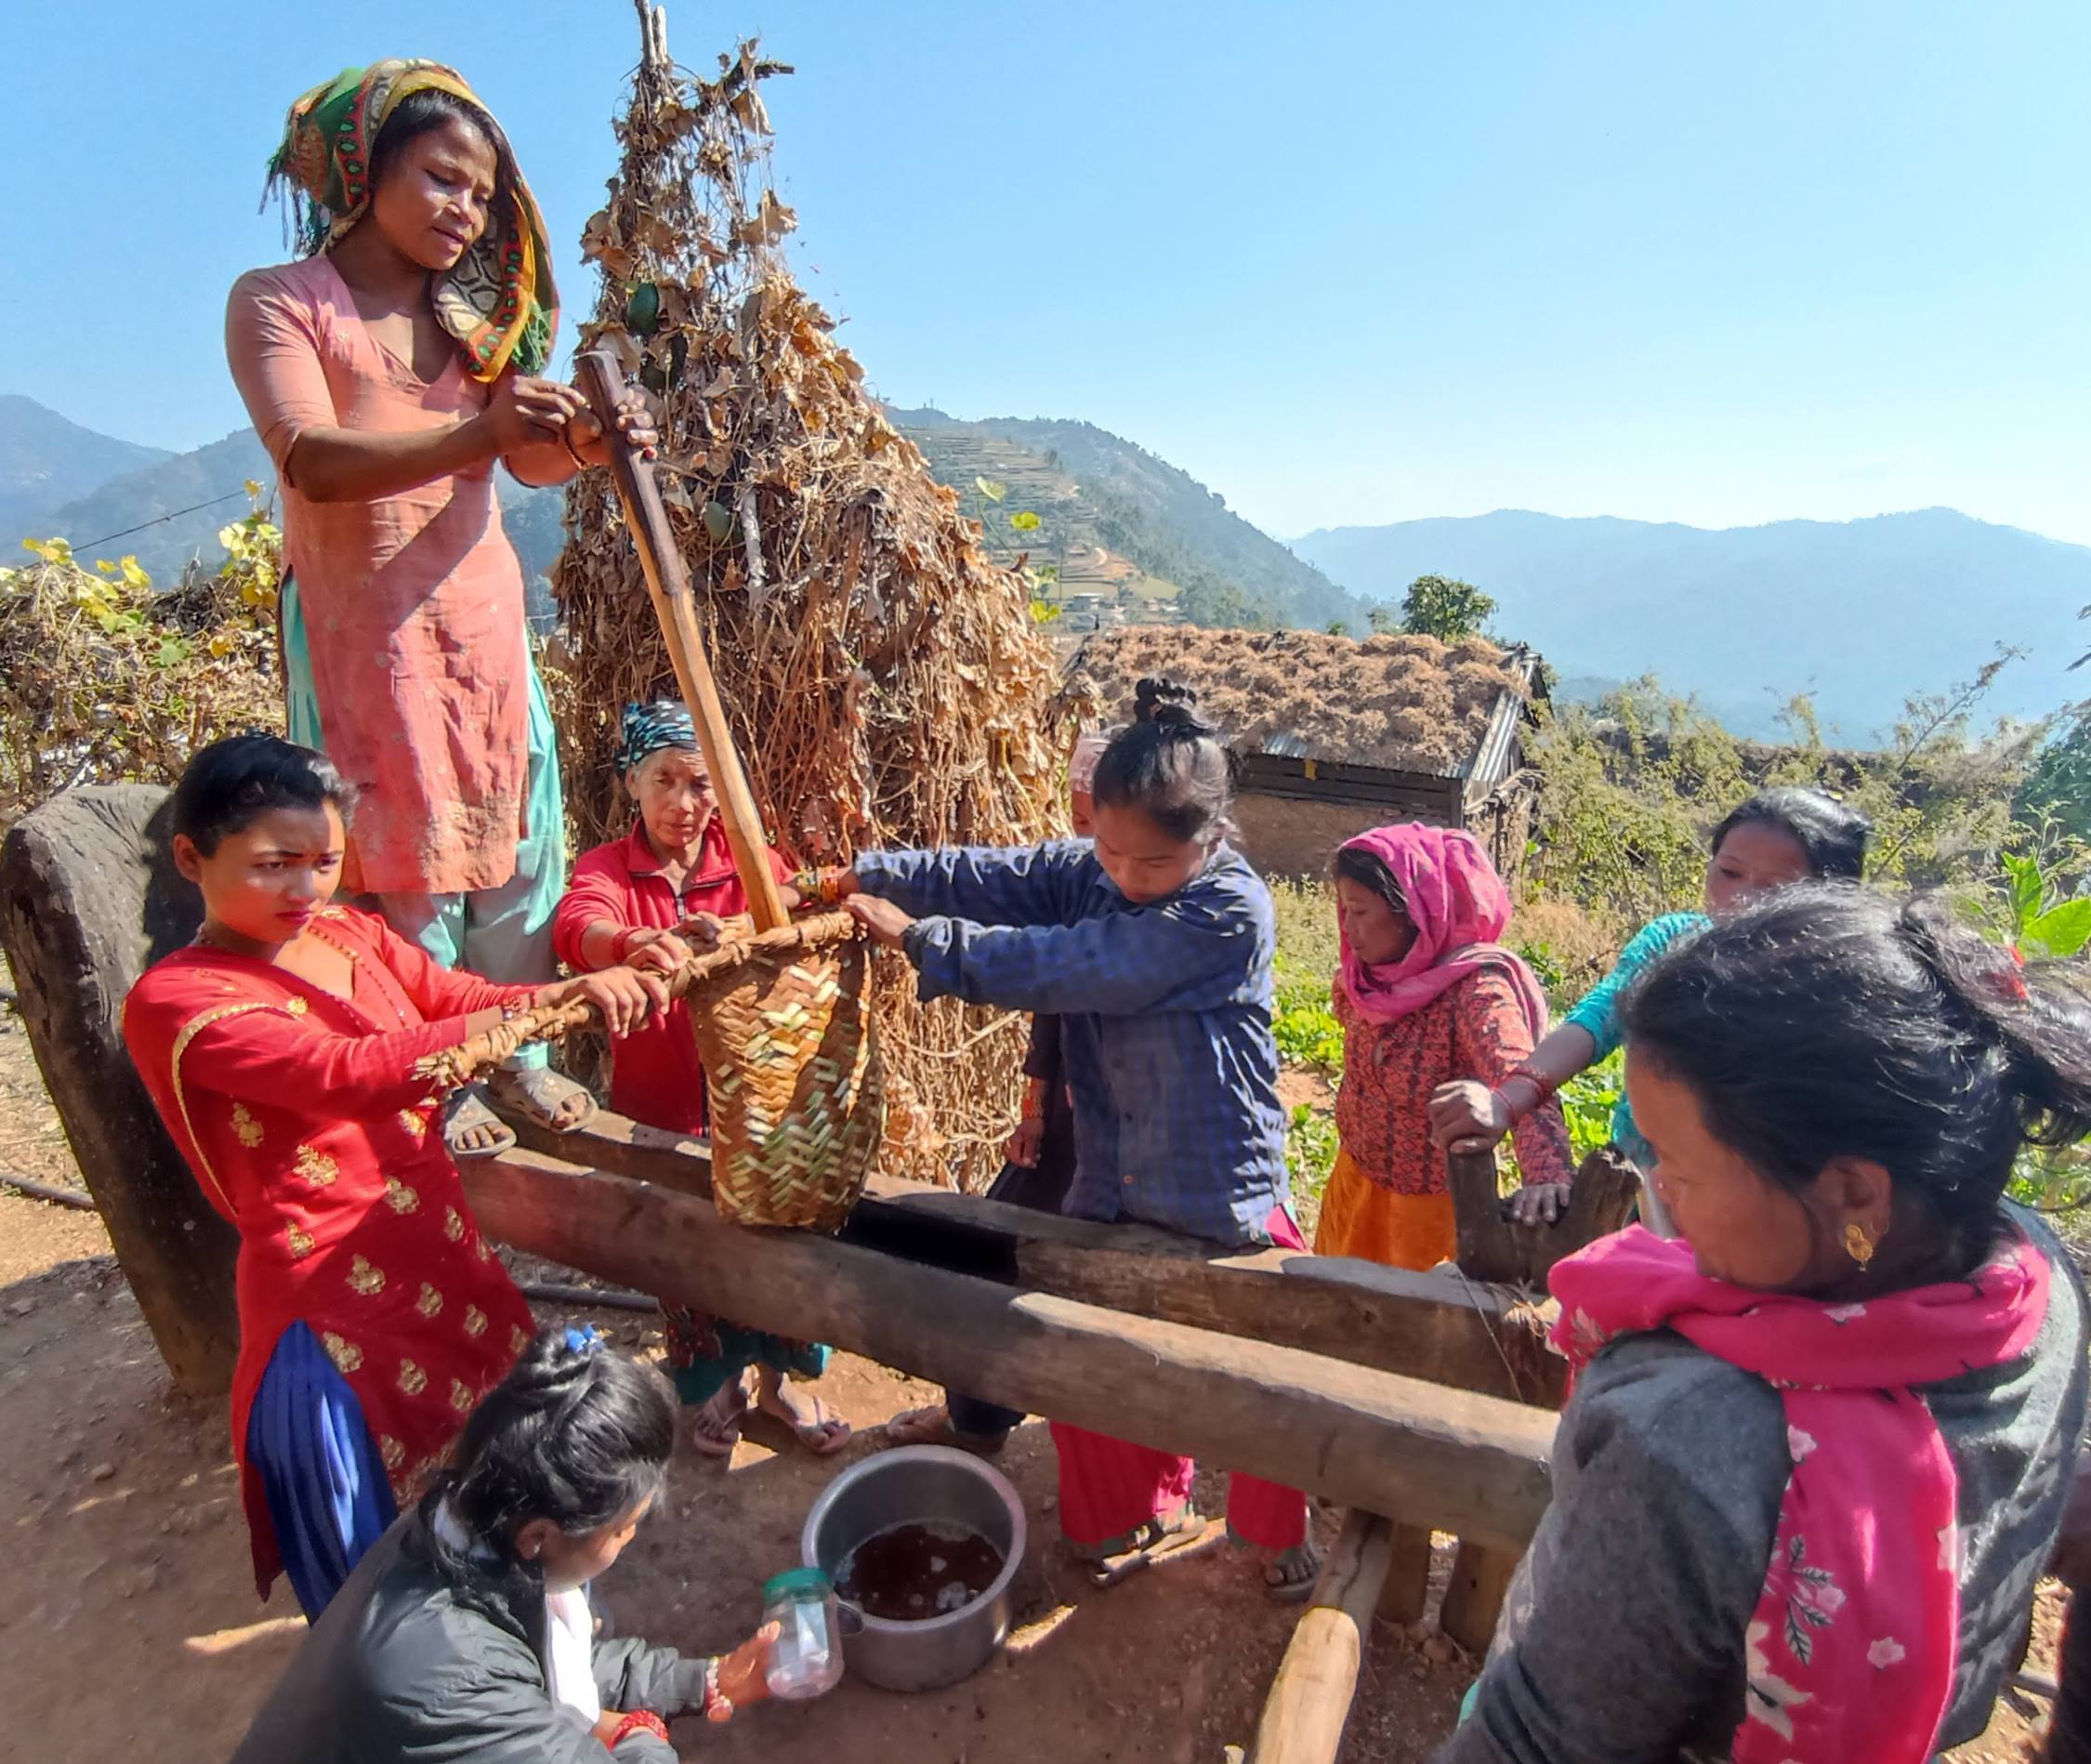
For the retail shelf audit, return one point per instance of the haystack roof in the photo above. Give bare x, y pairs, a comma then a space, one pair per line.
1406, 703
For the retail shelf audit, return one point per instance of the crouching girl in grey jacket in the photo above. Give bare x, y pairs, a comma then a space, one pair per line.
465, 1633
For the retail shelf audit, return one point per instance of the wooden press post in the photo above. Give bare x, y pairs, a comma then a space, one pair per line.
669, 588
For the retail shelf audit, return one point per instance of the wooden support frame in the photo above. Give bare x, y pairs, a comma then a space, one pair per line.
1441, 1326
1369, 1438
1493, 1248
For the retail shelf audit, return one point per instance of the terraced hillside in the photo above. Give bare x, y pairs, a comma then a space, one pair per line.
1120, 524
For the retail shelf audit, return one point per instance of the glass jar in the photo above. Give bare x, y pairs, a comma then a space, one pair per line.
805, 1659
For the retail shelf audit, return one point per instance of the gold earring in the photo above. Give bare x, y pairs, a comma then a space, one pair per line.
1857, 1244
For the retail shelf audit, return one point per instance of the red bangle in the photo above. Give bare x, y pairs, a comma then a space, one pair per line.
1543, 1086
621, 945
637, 1721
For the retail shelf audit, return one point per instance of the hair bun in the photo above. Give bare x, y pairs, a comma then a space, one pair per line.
1152, 696
551, 1363
1169, 705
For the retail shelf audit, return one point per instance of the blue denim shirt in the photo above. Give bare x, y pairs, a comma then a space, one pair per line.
1165, 1009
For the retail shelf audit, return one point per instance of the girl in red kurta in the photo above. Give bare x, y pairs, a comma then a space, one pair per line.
285, 1050
637, 898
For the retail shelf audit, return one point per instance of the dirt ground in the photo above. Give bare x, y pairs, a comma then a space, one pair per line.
128, 1557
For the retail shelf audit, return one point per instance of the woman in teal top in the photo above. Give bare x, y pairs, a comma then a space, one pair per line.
1775, 837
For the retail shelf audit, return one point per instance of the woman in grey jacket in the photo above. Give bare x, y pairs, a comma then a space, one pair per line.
1817, 1451
465, 1634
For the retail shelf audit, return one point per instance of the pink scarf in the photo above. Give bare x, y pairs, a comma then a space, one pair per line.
1850, 1651
1459, 908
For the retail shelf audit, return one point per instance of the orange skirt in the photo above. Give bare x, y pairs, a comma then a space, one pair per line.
1360, 1218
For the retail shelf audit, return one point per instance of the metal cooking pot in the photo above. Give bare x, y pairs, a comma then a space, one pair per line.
918, 1485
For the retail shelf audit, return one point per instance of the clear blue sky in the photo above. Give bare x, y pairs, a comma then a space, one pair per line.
1345, 261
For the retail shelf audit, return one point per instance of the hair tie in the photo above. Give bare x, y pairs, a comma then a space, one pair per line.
588, 1339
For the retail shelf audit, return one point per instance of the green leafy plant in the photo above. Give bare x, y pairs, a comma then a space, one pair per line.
1306, 1028
2040, 921
1588, 1101
1311, 1150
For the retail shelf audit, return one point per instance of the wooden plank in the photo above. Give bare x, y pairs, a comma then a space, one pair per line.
1440, 1326
1480, 1581
617, 1145
1310, 1697
1407, 1591
1428, 804
1491, 757
1471, 1464
1287, 766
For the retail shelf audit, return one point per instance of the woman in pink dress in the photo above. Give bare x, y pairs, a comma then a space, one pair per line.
387, 372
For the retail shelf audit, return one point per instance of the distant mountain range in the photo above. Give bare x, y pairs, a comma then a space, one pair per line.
1862, 613
46, 461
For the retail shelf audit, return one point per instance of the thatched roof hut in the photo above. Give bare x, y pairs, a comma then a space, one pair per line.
1334, 734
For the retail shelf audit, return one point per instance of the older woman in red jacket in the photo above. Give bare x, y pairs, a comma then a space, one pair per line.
638, 900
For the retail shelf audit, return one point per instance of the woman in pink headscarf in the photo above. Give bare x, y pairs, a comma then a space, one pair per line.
1426, 994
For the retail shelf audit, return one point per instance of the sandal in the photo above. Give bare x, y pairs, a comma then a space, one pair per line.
1289, 1577
823, 1435
548, 1097
1142, 1547
931, 1426
716, 1432
473, 1130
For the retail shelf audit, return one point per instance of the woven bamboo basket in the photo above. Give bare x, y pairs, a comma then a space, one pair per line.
783, 1021
797, 1098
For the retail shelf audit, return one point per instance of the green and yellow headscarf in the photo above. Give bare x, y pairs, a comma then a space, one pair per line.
498, 300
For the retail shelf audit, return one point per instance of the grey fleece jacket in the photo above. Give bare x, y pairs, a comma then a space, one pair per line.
1621, 1642
405, 1666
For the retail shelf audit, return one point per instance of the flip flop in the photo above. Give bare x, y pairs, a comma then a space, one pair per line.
1153, 1542
1289, 1577
931, 1426
718, 1440
469, 1113
541, 1093
818, 1435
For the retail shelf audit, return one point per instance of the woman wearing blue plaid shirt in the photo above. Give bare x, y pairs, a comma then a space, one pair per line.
1153, 947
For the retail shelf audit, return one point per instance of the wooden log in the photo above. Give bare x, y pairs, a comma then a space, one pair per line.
1480, 1580
1440, 1326
1494, 1248
1310, 1697
88, 899
1472, 1464
1407, 1591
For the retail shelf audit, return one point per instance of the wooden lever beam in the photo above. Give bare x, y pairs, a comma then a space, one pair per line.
669, 588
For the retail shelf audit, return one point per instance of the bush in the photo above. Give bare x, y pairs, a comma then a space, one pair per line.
103, 679
1631, 787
